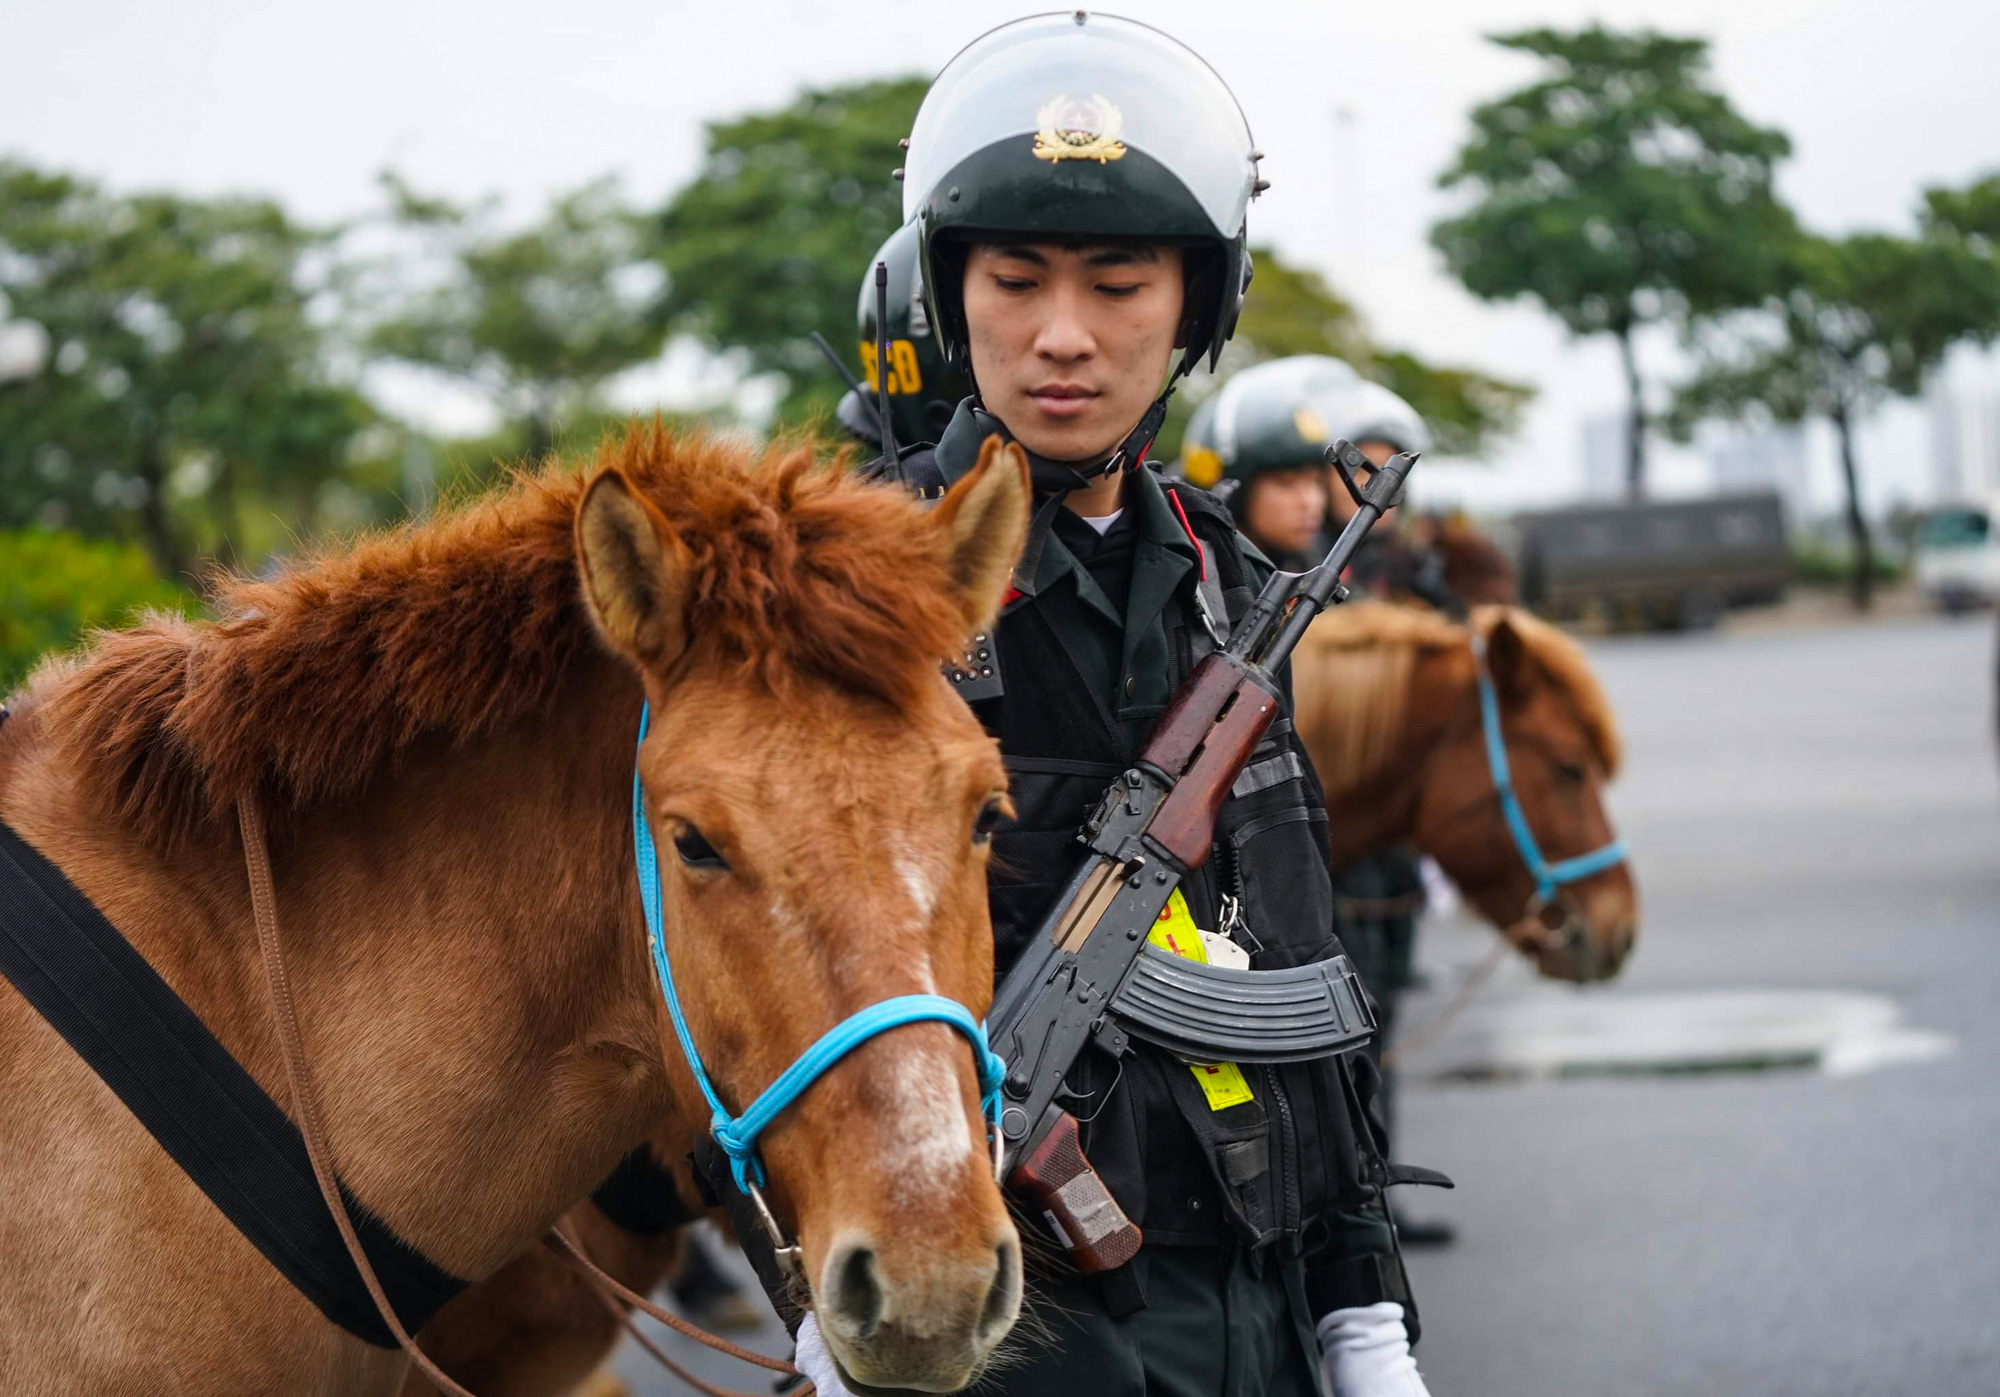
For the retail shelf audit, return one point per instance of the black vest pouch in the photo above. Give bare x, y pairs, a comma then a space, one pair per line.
1236, 1141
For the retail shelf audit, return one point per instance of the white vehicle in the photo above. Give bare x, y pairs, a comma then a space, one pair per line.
1957, 559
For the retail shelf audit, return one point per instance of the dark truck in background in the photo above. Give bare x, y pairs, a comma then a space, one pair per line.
1670, 565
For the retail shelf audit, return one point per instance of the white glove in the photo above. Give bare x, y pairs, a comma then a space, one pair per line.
1367, 1353
1440, 893
816, 1363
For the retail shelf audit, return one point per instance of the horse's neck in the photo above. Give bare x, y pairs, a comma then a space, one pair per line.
1382, 811
478, 937
468, 964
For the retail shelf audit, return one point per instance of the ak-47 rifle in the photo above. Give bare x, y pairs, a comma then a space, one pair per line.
1090, 974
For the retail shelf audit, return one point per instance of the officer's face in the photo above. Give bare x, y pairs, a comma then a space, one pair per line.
1378, 453
1284, 509
1071, 344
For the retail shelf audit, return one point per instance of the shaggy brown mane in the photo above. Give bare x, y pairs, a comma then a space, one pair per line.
316, 680
1352, 674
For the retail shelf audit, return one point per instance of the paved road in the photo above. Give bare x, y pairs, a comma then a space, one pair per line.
1811, 810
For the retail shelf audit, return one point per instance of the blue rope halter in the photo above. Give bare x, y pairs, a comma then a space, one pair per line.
737, 1135
1548, 876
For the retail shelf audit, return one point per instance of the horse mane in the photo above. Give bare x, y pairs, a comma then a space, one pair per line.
1568, 668
318, 679
1352, 673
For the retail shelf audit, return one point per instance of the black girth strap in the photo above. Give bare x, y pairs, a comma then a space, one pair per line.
642, 1196
123, 1020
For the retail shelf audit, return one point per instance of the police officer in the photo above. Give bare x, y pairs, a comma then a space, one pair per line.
1259, 444
1078, 184
1394, 563
924, 387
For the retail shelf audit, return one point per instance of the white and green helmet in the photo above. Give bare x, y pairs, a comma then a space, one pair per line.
1079, 125
1277, 415
1373, 413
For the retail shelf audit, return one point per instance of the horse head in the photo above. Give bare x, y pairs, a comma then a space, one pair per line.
1395, 704
1560, 749
807, 681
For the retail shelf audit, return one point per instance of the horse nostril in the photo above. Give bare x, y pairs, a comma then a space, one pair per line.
854, 1293
1003, 1301
1628, 936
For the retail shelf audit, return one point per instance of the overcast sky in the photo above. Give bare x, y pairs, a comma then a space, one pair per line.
1357, 108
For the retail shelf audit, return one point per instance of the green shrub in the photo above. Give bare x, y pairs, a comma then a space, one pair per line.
1819, 564
56, 586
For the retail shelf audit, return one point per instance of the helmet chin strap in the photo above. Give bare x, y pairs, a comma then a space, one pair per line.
1048, 475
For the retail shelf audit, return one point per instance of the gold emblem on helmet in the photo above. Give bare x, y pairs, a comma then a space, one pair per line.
1075, 129
1201, 466
1311, 426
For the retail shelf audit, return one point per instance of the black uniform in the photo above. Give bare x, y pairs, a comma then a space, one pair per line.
1259, 1216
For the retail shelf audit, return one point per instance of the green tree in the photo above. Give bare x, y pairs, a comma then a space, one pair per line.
537, 320
1619, 190
187, 372
1859, 318
1971, 215
770, 240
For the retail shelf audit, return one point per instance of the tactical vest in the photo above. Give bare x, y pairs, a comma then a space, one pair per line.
1275, 1164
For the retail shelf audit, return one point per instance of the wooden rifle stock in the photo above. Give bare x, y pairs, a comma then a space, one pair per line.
1060, 1181
1185, 824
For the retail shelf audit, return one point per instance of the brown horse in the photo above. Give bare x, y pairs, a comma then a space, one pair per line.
440, 722
1388, 706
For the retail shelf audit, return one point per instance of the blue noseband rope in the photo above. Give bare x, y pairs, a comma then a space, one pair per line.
1548, 876
737, 1135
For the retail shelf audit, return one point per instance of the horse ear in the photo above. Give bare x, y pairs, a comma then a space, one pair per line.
984, 522
634, 572
1508, 658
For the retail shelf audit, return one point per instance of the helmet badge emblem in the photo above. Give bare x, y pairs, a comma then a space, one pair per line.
1076, 129
1310, 426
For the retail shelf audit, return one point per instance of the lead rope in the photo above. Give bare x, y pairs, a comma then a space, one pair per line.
566, 1248
305, 1092
312, 1127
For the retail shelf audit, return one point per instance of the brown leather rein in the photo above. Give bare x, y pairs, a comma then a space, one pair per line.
312, 1126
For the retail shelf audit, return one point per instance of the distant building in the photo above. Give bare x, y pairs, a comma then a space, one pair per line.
1761, 458
1965, 441
1604, 455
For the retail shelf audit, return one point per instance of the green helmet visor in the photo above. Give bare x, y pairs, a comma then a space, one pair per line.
1277, 415
1071, 98
923, 387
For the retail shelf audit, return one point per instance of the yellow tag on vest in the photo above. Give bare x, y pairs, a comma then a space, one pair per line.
1175, 932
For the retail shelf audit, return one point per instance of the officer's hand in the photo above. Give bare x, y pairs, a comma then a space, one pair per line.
816, 1363
1367, 1352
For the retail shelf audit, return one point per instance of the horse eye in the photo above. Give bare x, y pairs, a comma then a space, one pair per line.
990, 816
1569, 774
695, 851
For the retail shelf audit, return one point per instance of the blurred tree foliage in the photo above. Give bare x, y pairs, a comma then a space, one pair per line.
1849, 322
55, 586
771, 239
1971, 215
1292, 310
186, 372
1619, 190
536, 320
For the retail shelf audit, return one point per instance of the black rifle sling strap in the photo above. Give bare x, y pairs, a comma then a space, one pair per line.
130, 1028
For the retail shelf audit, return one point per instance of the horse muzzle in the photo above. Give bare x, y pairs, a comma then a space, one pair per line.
918, 1322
